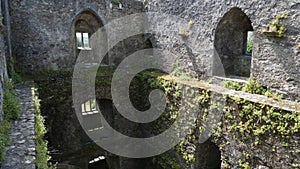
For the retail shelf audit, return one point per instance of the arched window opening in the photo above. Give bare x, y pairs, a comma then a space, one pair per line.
233, 43
84, 26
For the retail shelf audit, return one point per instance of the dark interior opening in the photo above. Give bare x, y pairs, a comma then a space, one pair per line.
208, 156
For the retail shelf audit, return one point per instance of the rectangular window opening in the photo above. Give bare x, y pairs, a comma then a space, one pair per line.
89, 106
82, 41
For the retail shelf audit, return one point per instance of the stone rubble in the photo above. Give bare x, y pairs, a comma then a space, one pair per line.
21, 152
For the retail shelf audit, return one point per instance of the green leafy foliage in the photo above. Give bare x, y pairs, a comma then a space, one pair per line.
11, 103
168, 163
14, 70
116, 2
253, 87
42, 156
276, 26
233, 85
246, 121
4, 129
11, 108
249, 46
249, 42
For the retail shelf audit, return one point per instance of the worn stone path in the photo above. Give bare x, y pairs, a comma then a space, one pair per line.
21, 152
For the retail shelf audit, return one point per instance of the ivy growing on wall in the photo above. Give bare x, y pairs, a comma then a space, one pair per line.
246, 121
42, 156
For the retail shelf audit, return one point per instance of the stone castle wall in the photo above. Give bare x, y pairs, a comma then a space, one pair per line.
43, 31
43, 38
275, 61
3, 66
3, 71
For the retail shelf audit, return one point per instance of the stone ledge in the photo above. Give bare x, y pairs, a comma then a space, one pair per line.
280, 104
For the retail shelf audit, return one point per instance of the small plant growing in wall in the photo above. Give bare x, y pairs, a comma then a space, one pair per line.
191, 24
275, 27
183, 33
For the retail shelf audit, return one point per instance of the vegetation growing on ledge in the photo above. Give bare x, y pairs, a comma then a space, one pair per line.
174, 95
249, 123
11, 108
42, 156
253, 87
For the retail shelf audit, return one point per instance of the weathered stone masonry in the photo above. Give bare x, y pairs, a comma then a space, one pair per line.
3, 73
275, 61
43, 31
43, 38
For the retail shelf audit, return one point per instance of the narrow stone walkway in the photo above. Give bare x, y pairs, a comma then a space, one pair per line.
21, 152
